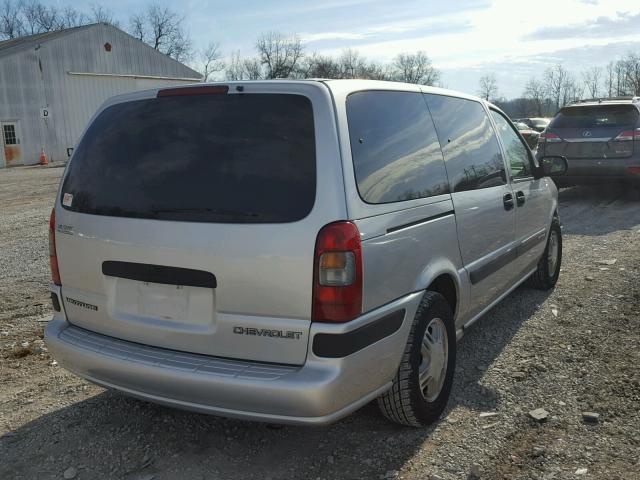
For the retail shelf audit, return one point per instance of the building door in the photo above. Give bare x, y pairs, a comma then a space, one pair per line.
10, 136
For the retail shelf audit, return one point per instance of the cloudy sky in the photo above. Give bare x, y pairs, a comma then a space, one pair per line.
465, 38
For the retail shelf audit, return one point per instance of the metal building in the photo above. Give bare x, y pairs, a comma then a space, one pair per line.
52, 83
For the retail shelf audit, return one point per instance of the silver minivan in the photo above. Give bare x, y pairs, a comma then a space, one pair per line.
288, 251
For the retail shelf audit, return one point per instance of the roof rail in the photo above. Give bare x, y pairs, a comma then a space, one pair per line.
632, 98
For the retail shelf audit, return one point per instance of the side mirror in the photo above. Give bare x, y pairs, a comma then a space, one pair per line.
553, 166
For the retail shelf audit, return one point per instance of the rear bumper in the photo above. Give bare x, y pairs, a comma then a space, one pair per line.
321, 391
601, 170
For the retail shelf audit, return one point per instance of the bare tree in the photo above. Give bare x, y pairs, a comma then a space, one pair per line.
376, 71
100, 14
235, 69
137, 27
571, 90
11, 20
488, 86
555, 79
620, 68
239, 68
162, 29
414, 68
29, 17
622, 77
591, 78
38, 18
211, 60
319, 66
535, 91
252, 69
278, 54
70, 17
521, 106
616, 78
610, 78
180, 47
352, 64
632, 74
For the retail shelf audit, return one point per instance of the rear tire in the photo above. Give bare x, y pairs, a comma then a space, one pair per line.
548, 271
422, 385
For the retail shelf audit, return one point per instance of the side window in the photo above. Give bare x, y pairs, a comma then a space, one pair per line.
471, 150
517, 153
395, 149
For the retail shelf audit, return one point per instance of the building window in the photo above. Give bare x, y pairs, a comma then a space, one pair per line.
9, 134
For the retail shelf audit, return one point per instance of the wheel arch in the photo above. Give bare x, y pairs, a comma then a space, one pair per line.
553, 210
446, 284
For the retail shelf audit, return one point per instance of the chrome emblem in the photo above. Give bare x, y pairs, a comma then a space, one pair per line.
88, 306
267, 332
586, 133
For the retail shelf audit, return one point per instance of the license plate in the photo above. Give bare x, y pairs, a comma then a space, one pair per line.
169, 302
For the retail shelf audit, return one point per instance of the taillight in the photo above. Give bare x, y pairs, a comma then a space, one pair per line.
628, 135
548, 138
53, 258
337, 274
634, 170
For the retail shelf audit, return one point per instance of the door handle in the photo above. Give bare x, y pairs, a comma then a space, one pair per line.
520, 198
508, 201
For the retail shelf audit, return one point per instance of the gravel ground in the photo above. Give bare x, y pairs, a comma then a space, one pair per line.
571, 351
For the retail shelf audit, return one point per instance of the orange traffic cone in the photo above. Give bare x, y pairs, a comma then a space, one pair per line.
43, 158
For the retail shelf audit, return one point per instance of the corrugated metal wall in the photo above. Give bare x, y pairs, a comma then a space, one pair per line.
72, 99
19, 101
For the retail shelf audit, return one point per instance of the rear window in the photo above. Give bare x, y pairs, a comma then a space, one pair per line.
395, 149
595, 116
202, 158
540, 122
